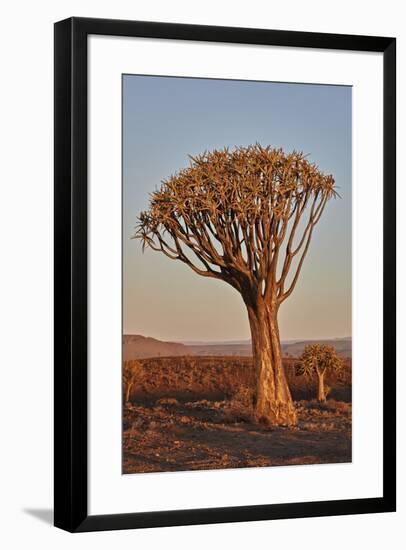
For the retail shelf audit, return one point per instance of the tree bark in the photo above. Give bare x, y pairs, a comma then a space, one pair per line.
128, 390
321, 394
273, 400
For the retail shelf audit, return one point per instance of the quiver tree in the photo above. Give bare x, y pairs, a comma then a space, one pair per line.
245, 217
131, 373
317, 360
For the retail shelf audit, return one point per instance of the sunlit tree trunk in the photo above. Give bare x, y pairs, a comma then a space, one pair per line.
128, 391
273, 401
321, 394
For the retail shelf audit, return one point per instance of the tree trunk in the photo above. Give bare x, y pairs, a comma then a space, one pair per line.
127, 392
321, 395
273, 402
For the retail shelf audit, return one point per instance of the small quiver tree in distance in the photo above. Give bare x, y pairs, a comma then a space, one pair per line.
130, 375
246, 217
317, 360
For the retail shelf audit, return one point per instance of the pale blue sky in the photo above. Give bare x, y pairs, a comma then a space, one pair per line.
164, 120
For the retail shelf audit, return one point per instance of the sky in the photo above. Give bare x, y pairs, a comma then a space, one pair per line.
165, 119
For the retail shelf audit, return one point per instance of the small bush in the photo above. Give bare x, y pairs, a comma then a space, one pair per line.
330, 405
167, 401
244, 397
338, 406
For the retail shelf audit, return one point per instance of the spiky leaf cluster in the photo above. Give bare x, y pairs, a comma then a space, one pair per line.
228, 214
319, 358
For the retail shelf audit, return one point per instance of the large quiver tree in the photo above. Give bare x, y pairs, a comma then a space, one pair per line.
246, 217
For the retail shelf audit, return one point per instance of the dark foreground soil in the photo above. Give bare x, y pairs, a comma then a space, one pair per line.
168, 435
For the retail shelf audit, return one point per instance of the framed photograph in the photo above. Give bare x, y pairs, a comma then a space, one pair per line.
224, 274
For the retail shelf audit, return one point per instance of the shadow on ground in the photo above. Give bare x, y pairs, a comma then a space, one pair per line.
43, 514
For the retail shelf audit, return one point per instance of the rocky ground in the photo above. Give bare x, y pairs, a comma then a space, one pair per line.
168, 435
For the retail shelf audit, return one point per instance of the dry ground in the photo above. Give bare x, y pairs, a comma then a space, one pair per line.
168, 433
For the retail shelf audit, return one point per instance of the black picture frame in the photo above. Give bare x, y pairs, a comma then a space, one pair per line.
71, 202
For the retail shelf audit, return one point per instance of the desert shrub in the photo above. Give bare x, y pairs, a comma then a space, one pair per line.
216, 378
167, 401
331, 405
240, 408
338, 406
244, 397
317, 426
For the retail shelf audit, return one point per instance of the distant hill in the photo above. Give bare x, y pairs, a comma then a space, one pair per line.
291, 348
141, 347
240, 349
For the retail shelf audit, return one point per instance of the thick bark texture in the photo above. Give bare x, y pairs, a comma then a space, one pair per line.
128, 391
273, 402
321, 396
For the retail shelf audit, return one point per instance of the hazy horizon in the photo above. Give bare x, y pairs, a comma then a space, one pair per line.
165, 119
243, 341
